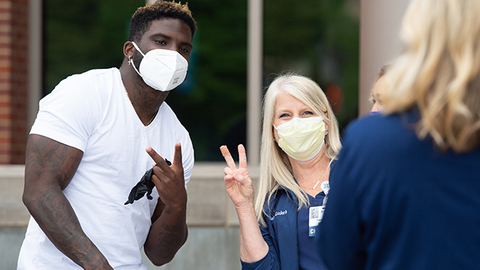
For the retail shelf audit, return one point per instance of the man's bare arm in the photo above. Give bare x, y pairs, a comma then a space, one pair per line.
49, 168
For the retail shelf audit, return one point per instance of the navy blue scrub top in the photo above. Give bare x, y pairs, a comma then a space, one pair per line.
308, 249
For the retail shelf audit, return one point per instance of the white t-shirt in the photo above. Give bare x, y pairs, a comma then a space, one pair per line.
92, 112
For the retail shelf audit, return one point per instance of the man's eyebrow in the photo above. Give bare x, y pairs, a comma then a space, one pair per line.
169, 38
160, 35
187, 44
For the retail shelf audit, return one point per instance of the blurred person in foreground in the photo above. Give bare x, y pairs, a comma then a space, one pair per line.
300, 139
86, 153
405, 190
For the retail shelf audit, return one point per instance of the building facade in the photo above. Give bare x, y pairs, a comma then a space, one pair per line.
14, 57
210, 215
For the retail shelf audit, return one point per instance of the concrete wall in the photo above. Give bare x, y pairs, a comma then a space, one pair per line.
213, 241
213, 227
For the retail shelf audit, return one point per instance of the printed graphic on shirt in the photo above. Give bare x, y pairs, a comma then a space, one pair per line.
278, 213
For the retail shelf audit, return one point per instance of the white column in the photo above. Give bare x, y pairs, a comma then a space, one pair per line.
254, 80
34, 59
380, 22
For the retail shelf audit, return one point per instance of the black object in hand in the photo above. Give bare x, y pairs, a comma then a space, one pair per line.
145, 185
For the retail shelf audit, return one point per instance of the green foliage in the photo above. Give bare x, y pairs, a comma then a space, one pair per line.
83, 34
214, 109
316, 38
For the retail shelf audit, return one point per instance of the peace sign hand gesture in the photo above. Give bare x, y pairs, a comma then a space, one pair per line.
237, 181
169, 179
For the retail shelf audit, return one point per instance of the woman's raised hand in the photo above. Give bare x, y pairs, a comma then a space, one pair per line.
238, 184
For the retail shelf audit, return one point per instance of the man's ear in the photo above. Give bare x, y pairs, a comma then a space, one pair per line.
128, 49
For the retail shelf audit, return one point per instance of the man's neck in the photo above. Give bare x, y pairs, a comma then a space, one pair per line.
145, 100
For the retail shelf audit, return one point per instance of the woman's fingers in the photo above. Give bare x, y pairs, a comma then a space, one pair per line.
242, 155
231, 172
227, 170
228, 157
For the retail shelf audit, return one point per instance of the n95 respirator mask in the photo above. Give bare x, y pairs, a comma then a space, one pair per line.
163, 70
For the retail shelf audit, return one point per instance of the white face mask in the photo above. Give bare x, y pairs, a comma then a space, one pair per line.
302, 138
162, 70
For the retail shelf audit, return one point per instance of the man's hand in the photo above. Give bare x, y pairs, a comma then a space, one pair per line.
169, 228
169, 180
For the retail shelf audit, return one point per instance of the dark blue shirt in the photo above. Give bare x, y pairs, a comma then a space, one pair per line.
307, 246
397, 202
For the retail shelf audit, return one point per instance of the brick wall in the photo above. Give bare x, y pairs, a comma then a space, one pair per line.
13, 80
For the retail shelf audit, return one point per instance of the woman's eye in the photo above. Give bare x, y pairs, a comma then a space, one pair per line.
283, 115
308, 113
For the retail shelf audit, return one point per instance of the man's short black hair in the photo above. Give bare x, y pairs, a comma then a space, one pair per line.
143, 17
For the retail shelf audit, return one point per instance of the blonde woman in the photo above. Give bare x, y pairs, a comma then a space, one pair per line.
299, 142
406, 187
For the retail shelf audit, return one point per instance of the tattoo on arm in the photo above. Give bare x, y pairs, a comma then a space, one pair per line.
45, 156
49, 168
167, 235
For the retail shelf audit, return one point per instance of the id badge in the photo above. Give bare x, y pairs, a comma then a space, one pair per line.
315, 216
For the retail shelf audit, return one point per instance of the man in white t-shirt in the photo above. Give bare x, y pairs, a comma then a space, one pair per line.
94, 138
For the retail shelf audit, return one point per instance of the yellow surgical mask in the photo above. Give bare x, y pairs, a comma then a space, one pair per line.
302, 138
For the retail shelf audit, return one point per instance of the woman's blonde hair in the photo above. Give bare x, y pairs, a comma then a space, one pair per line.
438, 73
275, 167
